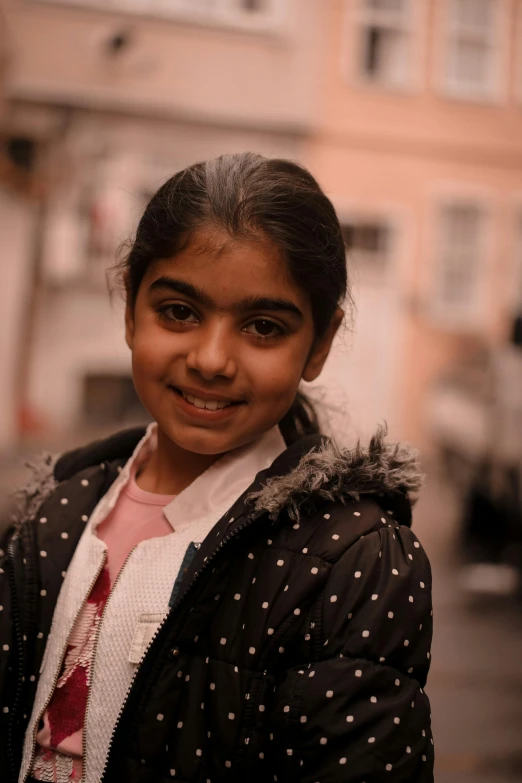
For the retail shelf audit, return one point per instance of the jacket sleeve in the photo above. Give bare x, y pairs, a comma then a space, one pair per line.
6, 646
358, 713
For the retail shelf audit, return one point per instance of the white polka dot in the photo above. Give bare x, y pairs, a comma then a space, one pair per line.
350, 615
315, 570
32, 678
371, 740
305, 550
410, 599
297, 611
389, 767
172, 772
270, 631
349, 719
323, 740
397, 721
410, 670
5, 647
180, 724
228, 764
223, 640
397, 682
159, 716
381, 660
5, 710
43, 553
254, 580
252, 650
237, 596
374, 597
307, 637
281, 649
84, 483
261, 755
43, 593
280, 563
269, 541
343, 760
416, 544
428, 656
365, 634
373, 699
422, 584
212, 686
410, 557
264, 605
329, 694
64, 501
395, 572
390, 615
333, 599
43, 520
64, 535
326, 516
303, 719
406, 643
312, 673
286, 588
250, 556
286, 708
335, 537
357, 574
85, 518
423, 758
357, 513
358, 673
261, 708
231, 716
408, 749
199, 752
39, 635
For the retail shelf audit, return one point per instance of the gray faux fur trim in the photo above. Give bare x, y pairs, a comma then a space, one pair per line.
335, 474
30, 496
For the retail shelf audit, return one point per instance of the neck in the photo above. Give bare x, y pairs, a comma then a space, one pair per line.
170, 469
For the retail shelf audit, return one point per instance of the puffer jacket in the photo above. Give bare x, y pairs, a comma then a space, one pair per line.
298, 643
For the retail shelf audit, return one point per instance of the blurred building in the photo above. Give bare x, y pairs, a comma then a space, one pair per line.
409, 112
420, 147
114, 100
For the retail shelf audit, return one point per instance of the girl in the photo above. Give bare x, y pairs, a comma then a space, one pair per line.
226, 595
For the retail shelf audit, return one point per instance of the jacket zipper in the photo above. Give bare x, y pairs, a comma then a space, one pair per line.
93, 665
238, 529
62, 658
20, 652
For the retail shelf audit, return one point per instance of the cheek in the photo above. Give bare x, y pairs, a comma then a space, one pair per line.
276, 376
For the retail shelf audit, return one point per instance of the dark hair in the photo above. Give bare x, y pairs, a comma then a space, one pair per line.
250, 196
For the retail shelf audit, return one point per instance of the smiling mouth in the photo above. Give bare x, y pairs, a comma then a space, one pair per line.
210, 405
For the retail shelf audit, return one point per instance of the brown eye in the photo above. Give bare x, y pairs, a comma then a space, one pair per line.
262, 327
179, 313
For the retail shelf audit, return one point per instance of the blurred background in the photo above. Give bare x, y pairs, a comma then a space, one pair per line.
409, 113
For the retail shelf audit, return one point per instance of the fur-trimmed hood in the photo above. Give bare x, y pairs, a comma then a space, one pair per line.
322, 471
329, 473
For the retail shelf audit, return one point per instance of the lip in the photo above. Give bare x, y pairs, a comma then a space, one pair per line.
204, 395
203, 414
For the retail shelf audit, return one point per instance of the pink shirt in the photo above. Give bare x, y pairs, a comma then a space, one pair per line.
137, 516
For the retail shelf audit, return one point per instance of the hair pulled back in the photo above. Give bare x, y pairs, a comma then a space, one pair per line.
250, 196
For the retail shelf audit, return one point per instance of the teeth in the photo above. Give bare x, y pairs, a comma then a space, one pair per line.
211, 405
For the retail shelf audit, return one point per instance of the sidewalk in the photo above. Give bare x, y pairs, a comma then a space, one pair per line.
475, 684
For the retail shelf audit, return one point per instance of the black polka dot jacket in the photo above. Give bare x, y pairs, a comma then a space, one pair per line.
298, 644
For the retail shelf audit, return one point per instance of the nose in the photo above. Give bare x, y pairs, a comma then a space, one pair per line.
211, 355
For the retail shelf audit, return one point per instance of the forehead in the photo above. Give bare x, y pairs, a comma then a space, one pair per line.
229, 269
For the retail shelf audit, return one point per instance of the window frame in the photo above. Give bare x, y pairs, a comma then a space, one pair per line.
457, 318
355, 17
225, 15
496, 90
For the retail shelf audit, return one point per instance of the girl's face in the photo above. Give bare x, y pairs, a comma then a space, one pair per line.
220, 338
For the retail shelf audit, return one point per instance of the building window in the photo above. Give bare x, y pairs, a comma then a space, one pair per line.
112, 399
459, 264
472, 48
369, 243
385, 46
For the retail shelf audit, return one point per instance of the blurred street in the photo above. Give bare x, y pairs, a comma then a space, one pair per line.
475, 684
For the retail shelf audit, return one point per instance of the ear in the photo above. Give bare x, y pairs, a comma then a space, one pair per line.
321, 348
129, 325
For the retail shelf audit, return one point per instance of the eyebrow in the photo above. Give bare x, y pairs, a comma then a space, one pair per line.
267, 303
